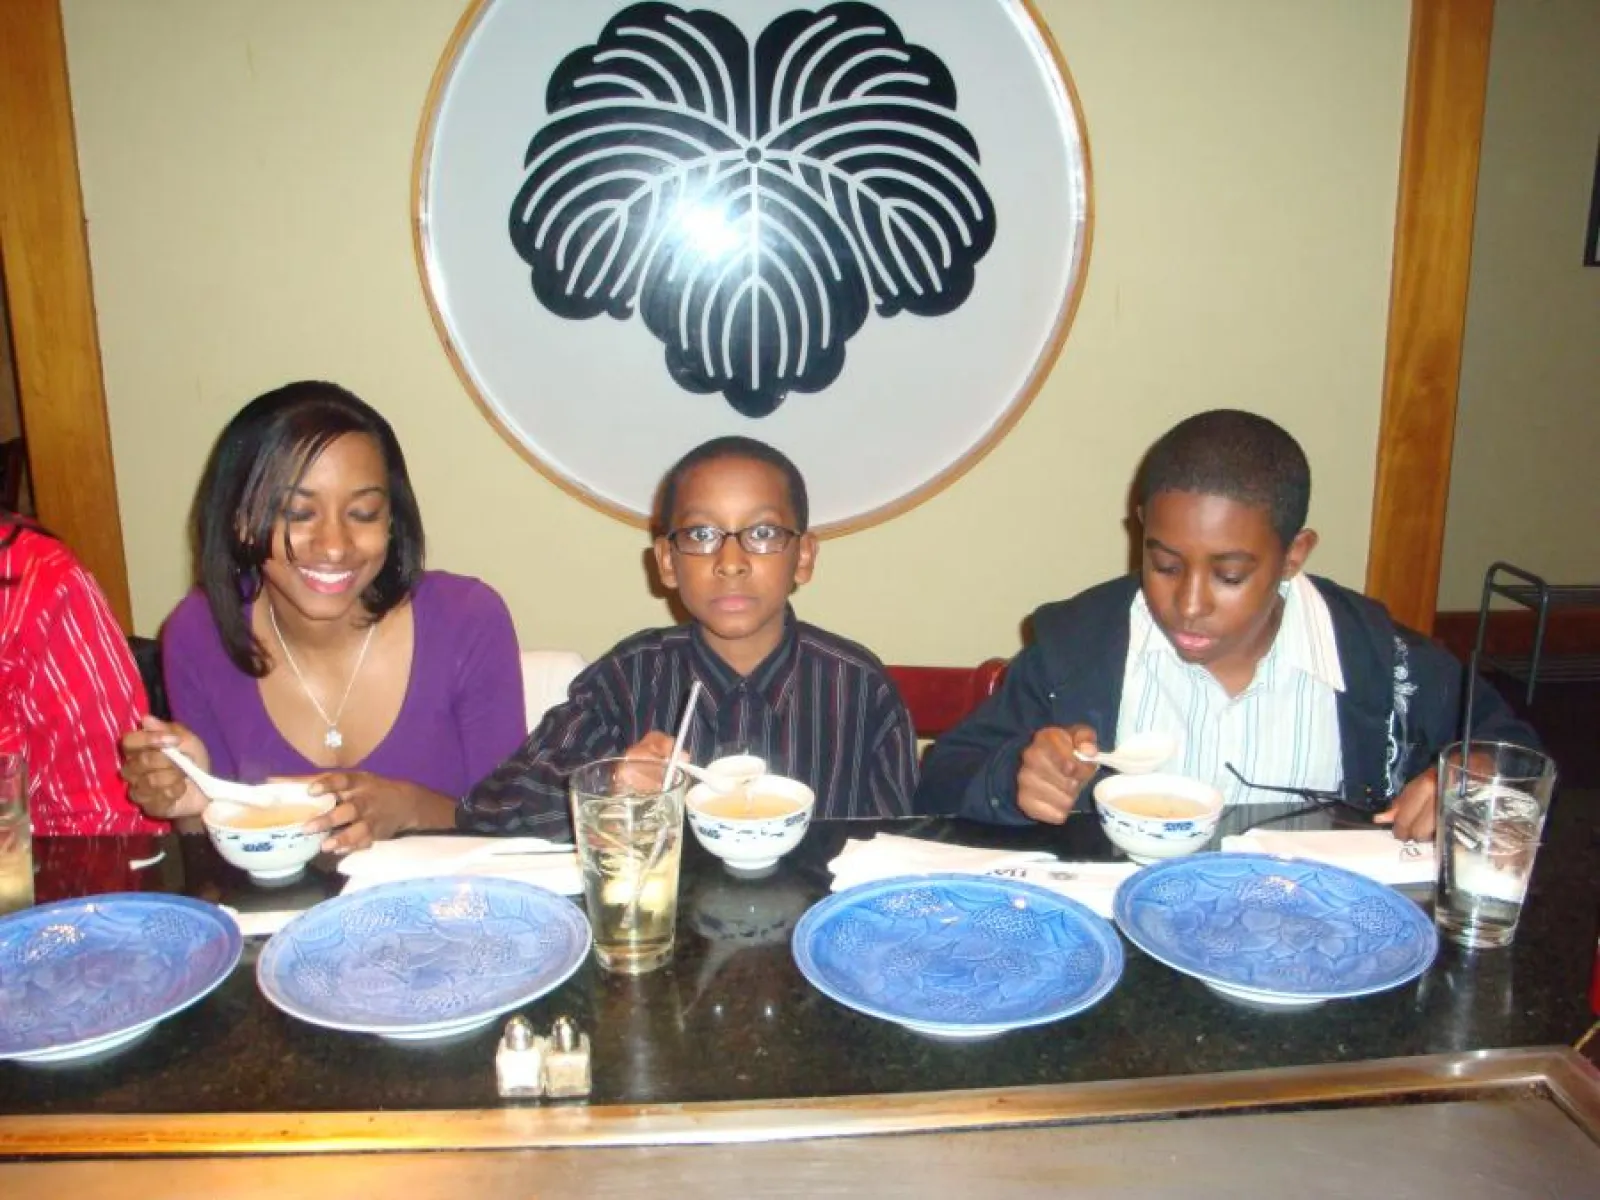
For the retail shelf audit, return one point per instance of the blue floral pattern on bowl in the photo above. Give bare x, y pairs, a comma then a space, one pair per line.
1274, 931
423, 958
751, 844
80, 977
958, 955
270, 853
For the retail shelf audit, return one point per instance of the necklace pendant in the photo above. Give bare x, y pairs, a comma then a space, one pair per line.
333, 739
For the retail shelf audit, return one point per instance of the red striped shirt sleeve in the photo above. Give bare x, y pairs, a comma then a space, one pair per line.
74, 690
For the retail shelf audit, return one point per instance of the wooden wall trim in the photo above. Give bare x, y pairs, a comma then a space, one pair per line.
1446, 81
1510, 632
45, 254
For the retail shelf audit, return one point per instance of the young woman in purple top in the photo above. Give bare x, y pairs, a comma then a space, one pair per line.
316, 645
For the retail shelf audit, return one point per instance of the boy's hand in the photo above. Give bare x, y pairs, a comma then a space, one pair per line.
1412, 813
654, 746
1051, 775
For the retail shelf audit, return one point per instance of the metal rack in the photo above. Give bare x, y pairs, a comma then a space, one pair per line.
1533, 592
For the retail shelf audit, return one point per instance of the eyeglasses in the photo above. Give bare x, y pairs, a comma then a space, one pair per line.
705, 540
1365, 801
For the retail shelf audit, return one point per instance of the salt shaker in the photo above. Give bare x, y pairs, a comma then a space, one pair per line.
519, 1060
566, 1061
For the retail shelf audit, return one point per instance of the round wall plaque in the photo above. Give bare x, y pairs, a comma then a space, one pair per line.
856, 231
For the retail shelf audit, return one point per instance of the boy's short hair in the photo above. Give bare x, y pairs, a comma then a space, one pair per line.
733, 447
1240, 455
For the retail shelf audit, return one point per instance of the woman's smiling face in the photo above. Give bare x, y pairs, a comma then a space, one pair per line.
331, 537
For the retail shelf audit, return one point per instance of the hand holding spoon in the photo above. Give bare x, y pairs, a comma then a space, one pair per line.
251, 795
1139, 754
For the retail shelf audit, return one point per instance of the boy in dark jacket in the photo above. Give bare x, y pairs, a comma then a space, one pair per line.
1266, 677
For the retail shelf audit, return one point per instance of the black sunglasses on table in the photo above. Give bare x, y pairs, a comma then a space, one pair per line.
1344, 806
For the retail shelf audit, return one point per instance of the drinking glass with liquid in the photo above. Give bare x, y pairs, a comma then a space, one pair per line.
627, 816
1492, 808
16, 836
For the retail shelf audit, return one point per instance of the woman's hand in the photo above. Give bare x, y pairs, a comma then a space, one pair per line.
154, 782
369, 808
1051, 775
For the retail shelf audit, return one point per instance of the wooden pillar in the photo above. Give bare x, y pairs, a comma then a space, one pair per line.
1445, 86
45, 255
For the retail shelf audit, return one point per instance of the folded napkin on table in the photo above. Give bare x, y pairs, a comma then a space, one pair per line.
529, 860
263, 922
1375, 853
863, 860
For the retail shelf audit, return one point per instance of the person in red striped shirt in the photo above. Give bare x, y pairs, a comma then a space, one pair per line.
69, 688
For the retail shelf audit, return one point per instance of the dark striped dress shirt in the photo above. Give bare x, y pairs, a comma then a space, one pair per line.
819, 709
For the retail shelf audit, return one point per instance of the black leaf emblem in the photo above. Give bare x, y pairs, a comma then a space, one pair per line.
751, 206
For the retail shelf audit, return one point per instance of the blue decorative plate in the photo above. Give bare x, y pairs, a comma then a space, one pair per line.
424, 958
1275, 931
80, 977
958, 955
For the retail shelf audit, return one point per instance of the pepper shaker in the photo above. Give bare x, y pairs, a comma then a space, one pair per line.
566, 1062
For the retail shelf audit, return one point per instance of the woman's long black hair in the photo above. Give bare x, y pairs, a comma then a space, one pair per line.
258, 461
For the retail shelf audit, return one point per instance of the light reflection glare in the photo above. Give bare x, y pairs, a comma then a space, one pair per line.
466, 903
707, 228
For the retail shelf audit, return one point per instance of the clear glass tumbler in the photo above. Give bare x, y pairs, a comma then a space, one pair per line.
16, 836
627, 816
1491, 812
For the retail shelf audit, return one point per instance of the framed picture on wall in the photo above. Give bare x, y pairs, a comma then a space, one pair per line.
855, 231
1591, 245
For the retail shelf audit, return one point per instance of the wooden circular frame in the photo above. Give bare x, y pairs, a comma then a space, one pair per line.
1020, 403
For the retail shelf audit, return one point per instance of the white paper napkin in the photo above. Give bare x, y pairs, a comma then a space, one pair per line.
1375, 853
531, 860
263, 923
865, 859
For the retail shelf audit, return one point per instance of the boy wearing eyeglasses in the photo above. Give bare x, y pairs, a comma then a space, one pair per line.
733, 544
1268, 680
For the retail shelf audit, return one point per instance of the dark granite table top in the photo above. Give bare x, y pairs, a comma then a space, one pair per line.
732, 1018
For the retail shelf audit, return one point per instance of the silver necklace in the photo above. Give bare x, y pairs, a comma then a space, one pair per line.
333, 739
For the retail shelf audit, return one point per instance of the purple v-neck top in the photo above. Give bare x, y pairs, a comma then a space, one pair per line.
463, 710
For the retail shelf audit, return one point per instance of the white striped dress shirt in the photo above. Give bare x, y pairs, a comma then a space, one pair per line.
1282, 730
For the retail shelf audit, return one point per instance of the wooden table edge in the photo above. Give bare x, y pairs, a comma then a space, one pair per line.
1565, 1076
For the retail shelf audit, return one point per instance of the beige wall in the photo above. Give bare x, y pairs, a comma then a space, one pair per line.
1529, 415
246, 170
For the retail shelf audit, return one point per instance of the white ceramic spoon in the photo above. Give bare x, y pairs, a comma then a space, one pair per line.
251, 795
1139, 754
727, 774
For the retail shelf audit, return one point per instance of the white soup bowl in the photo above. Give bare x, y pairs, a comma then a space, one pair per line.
1145, 838
268, 852
751, 843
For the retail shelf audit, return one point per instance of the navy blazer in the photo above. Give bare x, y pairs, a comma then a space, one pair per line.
1400, 707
